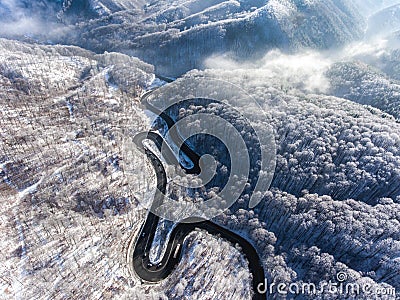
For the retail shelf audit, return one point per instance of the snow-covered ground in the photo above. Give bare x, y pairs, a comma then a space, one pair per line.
74, 189
70, 187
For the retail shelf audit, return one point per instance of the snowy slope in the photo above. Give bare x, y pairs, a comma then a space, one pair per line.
338, 164
189, 31
72, 195
105, 7
364, 85
164, 32
68, 191
370, 7
72, 185
385, 21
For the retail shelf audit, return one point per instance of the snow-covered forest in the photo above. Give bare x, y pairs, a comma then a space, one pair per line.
75, 190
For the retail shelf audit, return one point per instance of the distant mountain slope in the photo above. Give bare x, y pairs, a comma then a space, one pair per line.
178, 35
186, 32
369, 7
111, 6
385, 21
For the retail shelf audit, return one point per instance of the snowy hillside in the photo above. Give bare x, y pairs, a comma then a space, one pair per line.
385, 21
163, 32
68, 211
370, 7
107, 7
71, 209
75, 190
338, 165
194, 30
364, 85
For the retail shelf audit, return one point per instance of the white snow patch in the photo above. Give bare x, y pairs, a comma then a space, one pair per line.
30, 189
160, 241
281, 8
4, 164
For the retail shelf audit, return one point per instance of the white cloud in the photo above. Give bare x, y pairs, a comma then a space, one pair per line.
23, 21
304, 71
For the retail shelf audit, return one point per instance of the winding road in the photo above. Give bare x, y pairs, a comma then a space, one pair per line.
140, 255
